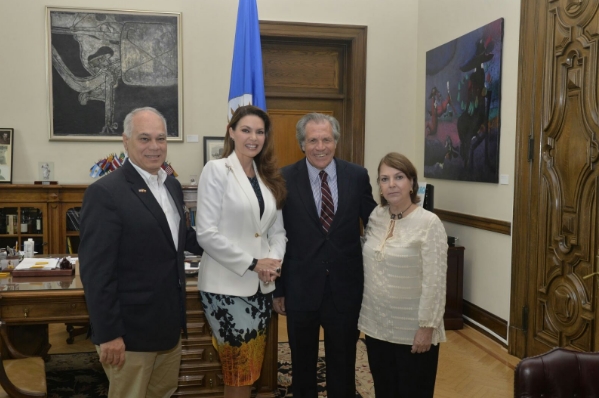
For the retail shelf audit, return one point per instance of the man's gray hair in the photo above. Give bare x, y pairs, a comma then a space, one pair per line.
300, 128
128, 123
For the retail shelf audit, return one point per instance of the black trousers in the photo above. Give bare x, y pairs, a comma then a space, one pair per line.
397, 373
340, 339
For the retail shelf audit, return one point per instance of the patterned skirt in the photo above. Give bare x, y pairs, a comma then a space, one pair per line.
239, 327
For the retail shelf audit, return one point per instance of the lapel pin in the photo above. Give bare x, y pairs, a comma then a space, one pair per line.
142, 190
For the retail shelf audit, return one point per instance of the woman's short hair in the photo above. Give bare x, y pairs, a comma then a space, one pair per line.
403, 164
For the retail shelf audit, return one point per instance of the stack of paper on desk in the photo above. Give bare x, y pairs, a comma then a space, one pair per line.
31, 264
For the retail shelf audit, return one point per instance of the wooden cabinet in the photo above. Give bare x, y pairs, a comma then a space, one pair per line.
28, 312
455, 280
22, 221
48, 201
69, 216
30, 303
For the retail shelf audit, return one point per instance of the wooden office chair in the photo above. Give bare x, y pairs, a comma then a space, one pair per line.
76, 329
558, 373
23, 376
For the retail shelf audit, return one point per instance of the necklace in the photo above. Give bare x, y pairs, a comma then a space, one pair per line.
400, 214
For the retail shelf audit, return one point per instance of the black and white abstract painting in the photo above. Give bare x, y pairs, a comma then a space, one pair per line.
105, 63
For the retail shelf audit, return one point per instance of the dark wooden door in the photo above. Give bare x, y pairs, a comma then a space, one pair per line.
315, 68
555, 251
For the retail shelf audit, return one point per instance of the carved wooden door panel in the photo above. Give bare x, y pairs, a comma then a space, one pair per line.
555, 239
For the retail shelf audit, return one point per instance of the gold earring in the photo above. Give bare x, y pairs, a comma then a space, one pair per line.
380, 191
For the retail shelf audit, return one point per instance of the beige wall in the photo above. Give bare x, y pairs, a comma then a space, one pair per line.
208, 32
399, 34
487, 265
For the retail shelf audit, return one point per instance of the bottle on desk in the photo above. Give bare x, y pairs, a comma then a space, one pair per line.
28, 248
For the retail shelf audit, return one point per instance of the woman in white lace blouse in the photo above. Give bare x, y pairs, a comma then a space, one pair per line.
405, 268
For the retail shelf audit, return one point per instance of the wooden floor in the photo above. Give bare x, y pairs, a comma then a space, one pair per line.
470, 366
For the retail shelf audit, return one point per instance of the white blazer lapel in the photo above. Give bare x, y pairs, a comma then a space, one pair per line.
246, 187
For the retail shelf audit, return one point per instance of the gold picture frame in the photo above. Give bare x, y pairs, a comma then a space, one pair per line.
104, 63
7, 138
213, 148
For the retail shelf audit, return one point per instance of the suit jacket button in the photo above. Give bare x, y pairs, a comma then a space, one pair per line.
257, 235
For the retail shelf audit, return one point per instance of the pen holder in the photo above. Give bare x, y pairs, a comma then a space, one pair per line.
10, 262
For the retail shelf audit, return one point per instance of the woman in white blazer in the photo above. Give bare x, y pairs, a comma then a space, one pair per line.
240, 227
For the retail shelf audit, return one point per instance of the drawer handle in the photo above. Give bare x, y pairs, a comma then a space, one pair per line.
210, 356
211, 382
26, 312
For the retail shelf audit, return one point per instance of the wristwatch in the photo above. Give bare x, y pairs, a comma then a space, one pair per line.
253, 265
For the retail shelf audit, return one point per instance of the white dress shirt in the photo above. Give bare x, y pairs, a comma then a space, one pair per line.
163, 197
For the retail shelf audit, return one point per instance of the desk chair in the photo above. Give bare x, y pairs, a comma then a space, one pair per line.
76, 329
23, 376
558, 373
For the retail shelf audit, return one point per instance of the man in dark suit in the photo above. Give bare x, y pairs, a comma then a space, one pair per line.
322, 279
133, 236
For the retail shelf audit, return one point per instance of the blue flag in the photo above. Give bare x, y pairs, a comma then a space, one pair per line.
247, 80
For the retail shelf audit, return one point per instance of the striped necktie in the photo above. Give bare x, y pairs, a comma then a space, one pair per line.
327, 208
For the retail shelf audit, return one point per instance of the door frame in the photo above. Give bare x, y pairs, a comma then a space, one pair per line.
525, 224
353, 37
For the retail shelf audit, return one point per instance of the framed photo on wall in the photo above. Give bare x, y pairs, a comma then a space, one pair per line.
6, 151
213, 148
102, 64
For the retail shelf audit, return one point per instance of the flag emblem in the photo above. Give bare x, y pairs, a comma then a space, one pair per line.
247, 79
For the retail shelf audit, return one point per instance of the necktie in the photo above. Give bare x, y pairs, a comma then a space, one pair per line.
327, 208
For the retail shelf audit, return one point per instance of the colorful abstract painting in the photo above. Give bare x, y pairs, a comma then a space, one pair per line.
463, 98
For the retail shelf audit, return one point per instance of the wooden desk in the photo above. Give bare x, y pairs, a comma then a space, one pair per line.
27, 305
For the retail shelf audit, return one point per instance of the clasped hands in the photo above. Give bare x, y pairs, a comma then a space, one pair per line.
268, 269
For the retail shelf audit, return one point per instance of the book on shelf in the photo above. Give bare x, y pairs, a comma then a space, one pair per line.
11, 224
72, 220
69, 245
192, 214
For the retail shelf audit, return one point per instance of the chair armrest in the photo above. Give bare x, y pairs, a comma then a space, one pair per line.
12, 350
21, 365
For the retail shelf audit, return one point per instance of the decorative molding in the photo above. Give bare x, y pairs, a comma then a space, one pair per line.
282, 94
486, 319
501, 227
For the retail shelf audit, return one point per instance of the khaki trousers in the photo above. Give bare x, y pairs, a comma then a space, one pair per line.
145, 374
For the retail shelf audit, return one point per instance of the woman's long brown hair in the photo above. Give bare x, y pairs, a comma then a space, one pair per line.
266, 161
